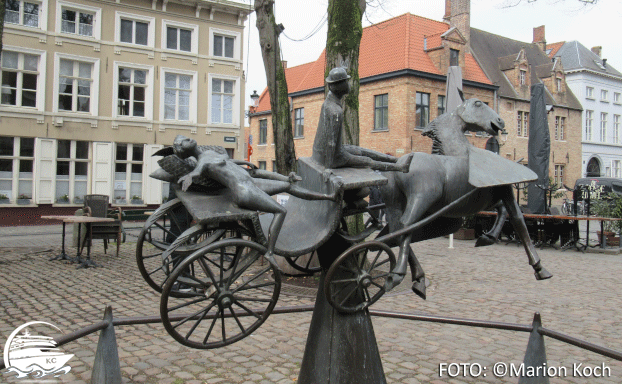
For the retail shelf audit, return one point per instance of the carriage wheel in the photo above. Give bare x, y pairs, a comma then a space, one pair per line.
357, 278
161, 246
305, 265
233, 293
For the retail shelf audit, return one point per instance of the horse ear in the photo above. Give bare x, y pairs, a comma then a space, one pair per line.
461, 94
166, 151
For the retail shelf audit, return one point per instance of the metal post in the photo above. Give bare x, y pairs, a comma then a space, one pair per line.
106, 367
534, 364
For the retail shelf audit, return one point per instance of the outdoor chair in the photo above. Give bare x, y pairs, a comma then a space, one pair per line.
97, 206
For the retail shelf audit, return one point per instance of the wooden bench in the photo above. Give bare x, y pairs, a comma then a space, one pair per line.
135, 214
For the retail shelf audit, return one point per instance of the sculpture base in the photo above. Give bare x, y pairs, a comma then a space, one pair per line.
341, 348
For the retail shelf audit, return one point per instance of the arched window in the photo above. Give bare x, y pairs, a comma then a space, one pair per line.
593, 168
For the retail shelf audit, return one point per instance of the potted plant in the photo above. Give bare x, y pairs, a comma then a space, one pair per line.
64, 199
78, 200
120, 200
23, 199
610, 207
4, 199
467, 231
136, 200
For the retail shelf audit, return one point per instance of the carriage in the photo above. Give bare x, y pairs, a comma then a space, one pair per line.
205, 256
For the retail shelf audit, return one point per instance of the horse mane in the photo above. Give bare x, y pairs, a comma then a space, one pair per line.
431, 131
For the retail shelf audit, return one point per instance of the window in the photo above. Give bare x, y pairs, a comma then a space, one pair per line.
604, 95
422, 113
177, 91
616, 129
128, 171
77, 22
589, 92
454, 57
262, 165
559, 174
589, 118
22, 13
560, 123
72, 164
263, 132
522, 124
131, 92
225, 43
273, 165
223, 95
135, 29
522, 77
20, 75
223, 46
603, 127
75, 85
616, 97
440, 105
16, 166
381, 112
180, 36
615, 168
299, 122
558, 82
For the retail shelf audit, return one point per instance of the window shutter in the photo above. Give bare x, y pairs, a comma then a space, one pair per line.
45, 170
102, 168
152, 188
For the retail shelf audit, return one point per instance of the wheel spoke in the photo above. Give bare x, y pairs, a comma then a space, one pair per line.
196, 324
209, 273
251, 280
224, 332
383, 262
200, 299
253, 299
247, 265
152, 256
349, 295
236, 260
255, 286
236, 319
246, 309
156, 270
211, 327
375, 260
380, 276
341, 290
352, 280
363, 258
185, 319
378, 285
367, 294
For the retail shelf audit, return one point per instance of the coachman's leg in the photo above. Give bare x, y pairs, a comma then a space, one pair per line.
516, 218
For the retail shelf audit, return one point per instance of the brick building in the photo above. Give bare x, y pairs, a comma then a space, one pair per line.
402, 67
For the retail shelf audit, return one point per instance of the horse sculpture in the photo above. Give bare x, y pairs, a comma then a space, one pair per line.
454, 170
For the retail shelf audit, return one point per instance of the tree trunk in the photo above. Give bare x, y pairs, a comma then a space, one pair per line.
285, 152
345, 30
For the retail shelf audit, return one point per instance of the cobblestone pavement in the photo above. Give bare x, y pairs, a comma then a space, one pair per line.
492, 283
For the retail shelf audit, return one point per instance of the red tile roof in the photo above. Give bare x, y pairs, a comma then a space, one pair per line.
554, 48
393, 45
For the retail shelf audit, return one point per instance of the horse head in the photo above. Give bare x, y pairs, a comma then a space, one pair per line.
477, 117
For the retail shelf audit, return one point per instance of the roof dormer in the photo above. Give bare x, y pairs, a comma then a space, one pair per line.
446, 49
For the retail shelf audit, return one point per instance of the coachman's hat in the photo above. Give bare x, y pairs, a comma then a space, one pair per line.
337, 74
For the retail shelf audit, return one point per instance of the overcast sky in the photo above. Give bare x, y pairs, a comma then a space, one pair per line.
565, 20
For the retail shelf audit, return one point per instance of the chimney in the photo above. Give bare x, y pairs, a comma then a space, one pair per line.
460, 17
538, 37
605, 63
598, 50
447, 16
284, 64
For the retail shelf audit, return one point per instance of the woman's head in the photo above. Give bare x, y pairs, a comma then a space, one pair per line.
184, 146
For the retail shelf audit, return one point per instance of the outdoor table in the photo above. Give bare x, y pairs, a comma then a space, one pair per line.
88, 221
574, 242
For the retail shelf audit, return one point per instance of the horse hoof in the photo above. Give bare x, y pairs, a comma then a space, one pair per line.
542, 274
419, 288
484, 240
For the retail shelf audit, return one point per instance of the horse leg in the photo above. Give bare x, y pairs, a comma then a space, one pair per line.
518, 222
492, 236
396, 276
418, 275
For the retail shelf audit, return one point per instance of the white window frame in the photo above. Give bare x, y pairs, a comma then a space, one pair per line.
131, 16
615, 168
194, 43
97, 17
589, 93
128, 175
227, 33
616, 98
259, 141
192, 112
616, 129
43, 11
236, 99
604, 95
603, 127
558, 82
299, 122
148, 92
589, 124
559, 174
562, 128
72, 168
40, 79
94, 105
522, 77
15, 157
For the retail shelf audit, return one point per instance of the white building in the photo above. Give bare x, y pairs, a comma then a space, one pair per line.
598, 86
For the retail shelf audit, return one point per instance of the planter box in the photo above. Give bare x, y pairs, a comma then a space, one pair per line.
78, 201
120, 201
23, 201
464, 234
5, 201
62, 201
137, 201
611, 238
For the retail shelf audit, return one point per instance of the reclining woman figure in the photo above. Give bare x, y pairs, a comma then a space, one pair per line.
250, 189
